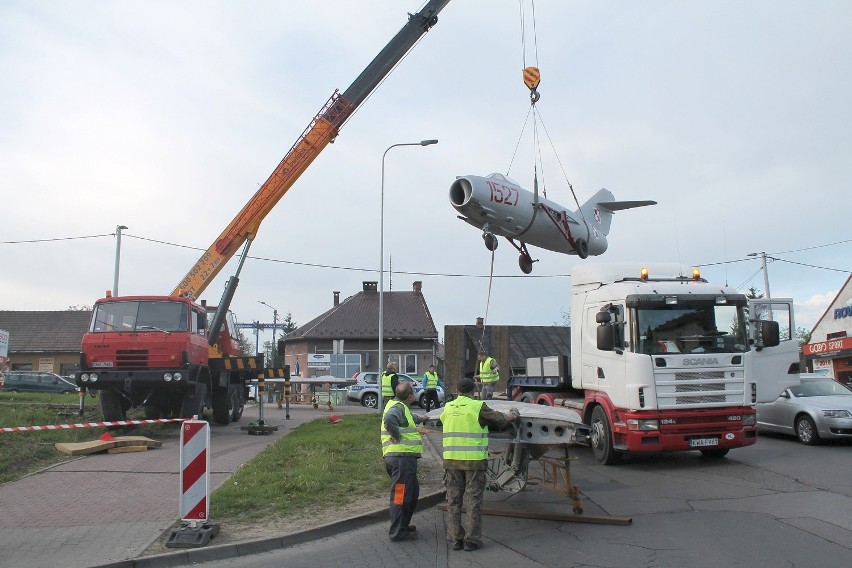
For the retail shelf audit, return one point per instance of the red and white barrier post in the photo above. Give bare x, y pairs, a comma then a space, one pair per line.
194, 487
194, 471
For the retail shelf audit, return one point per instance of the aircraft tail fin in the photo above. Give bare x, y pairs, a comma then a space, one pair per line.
601, 207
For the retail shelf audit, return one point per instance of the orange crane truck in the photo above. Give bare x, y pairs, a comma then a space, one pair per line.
163, 353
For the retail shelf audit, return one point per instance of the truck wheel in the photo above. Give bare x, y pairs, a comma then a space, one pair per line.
111, 406
237, 403
527, 397
717, 453
370, 400
194, 405
153, 412
601, 438
222, 407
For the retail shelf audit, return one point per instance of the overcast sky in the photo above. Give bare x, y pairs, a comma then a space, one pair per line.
165, 116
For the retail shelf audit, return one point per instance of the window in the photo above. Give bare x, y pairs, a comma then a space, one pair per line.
344, 365
410, 364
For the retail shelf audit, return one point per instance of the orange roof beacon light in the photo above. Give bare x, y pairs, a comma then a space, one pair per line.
643, 274
109, 293
696, 274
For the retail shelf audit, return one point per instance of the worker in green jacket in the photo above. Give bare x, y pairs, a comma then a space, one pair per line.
466, 422
430, 385
402, 446
487, 373
389, 381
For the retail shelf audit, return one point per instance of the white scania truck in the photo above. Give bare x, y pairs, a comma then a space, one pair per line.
662, 360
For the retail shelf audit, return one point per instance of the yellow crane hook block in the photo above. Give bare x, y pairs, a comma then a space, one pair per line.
532, 77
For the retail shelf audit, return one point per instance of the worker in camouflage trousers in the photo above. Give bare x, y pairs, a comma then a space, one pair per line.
466, 422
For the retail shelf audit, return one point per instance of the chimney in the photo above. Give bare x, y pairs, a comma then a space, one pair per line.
371, 286
418, 286
336, 299
480, 323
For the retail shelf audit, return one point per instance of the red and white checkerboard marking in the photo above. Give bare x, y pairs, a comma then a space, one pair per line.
86, 425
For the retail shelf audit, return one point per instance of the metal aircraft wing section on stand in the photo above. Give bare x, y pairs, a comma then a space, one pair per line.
539, 429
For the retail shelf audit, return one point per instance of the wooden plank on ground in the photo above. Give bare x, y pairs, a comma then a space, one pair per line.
84, 448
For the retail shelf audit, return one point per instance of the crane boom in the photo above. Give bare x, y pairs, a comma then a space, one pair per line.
319, 133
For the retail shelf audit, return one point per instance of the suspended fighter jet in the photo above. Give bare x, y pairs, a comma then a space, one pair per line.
502, 208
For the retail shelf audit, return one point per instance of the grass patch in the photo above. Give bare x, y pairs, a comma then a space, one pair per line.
317, 465
22, 453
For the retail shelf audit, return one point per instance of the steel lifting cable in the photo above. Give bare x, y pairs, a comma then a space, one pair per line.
532, 78
487, 304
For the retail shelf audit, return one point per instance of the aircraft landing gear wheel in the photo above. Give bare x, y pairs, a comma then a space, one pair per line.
526, 263
601, 438
491, 241
582, 248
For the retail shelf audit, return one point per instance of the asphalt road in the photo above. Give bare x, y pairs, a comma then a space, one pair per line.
773, 504
776, 503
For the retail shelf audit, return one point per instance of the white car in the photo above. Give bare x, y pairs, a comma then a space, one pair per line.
366, 389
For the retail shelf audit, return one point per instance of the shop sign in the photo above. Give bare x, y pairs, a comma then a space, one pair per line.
826, 347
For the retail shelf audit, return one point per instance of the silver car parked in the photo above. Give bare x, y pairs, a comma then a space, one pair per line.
819, 408
366, 389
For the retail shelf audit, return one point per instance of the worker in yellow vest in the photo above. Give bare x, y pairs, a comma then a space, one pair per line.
488, 373
402, 446
430, 385
466, 422
389, 382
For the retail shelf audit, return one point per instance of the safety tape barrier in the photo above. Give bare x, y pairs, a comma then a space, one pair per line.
88, 425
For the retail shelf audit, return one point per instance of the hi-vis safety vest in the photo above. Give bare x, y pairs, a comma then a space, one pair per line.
464, 438
430, 380
387, 387
486, 375
410, 443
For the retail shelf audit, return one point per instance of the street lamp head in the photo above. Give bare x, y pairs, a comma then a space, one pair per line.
752, 254
428, 142
120, 227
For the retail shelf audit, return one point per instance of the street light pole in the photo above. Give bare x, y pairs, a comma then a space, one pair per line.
274, 326
381, 363
765, 273
118, 229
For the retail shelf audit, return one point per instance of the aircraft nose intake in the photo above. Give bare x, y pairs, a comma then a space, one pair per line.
460, 192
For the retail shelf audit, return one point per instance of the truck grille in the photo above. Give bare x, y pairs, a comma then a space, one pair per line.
682, 389
690, 386
131, 358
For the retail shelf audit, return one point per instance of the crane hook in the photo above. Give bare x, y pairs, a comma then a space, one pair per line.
532, 78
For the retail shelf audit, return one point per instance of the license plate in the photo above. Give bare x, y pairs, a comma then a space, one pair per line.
703, 442
101, 364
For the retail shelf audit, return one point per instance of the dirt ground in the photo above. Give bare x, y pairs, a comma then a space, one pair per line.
430, 472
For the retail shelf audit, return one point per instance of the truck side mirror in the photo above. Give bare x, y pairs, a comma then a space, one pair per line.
605, 336
603, 317
769, 333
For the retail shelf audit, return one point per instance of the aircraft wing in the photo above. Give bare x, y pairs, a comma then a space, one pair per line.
614, 206
539, 424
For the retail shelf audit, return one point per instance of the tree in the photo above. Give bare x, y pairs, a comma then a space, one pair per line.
289, 323
802, 336
246, 347
565, 316
753, 294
